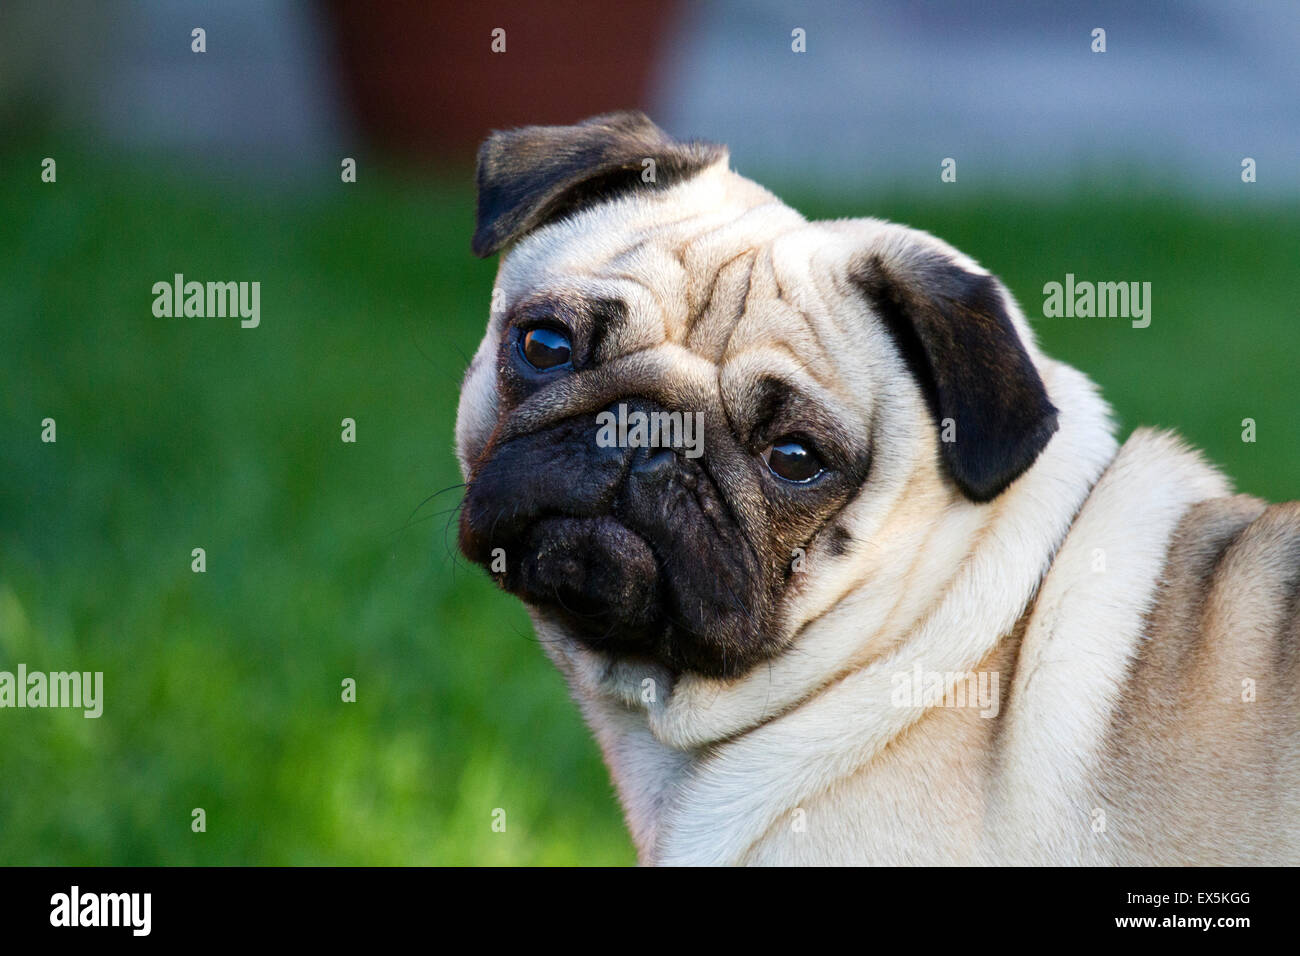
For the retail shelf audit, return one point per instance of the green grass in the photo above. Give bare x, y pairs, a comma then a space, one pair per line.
222, 689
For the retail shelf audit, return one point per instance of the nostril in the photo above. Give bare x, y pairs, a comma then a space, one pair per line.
654, 462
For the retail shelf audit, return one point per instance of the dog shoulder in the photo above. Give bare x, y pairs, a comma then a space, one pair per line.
1203, 739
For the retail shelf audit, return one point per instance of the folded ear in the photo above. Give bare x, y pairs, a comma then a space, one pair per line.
953, 330
531, 176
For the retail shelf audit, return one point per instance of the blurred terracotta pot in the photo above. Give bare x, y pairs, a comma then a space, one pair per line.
423, 76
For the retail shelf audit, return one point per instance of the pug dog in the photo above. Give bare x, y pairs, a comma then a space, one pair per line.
840, 568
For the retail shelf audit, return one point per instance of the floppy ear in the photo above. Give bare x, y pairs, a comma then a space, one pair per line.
531, 176
953, 330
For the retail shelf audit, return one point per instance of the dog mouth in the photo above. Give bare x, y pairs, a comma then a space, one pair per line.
632, 554
599, 574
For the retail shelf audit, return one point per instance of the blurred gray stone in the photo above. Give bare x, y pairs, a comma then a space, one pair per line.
1011, 90
124, 72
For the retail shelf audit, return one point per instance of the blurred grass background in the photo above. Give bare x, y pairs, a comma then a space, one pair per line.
222, 690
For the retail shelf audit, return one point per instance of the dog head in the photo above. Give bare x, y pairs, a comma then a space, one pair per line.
686, 390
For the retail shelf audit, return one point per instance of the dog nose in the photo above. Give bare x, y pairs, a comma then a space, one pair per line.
653, 466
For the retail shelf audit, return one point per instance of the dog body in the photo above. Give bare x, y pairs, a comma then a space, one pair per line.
772, 667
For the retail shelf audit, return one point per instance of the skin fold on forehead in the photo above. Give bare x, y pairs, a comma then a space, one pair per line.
662, 239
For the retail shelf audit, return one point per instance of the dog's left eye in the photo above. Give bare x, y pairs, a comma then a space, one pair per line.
793, 460
545, 348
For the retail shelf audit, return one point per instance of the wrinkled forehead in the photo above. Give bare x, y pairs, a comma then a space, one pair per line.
716, 268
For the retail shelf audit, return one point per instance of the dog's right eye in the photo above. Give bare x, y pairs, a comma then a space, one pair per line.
545, 348
793, 460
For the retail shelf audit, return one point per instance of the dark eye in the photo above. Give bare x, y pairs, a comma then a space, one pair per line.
793, 460
545, 348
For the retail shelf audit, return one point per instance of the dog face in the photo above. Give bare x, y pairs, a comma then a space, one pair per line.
689, 399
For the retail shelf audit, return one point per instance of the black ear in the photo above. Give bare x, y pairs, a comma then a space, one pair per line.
954, 333
531, 176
